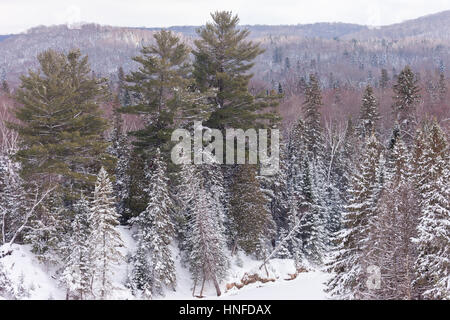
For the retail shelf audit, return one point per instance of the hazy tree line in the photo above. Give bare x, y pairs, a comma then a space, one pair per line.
343, 198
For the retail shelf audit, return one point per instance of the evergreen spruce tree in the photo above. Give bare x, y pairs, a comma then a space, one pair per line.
123, 95
5, 87
287, 63
296, 155
283, 252
6, 285
51, 227
312, 118
442, 87
280, 88
156, 228
348, 262
384, 80
78, 270
275, 187
350, 151
251, 220
390, 245
137, 197
204, 240
369, 115
433, 238
214, 184
140, 277
13, 200
313, 219
406, 97
105, 239
121, 150
60, 126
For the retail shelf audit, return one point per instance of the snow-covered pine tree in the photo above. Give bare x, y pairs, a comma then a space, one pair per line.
389, 242
369, 115
78, 270
185, 195
140, 277
156, 228
214, 184
299, 200
350, 151
442, 87
120, 148
207, 256
406, 96
313, 213
312, 118
348, 263
6, 285
51, 227
283, 252
203, 237
433, 238
123, 93
275, 187
295, 243
12, 197
105, 239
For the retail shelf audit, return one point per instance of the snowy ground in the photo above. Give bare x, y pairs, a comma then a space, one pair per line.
307, 286
27, 272
29, 275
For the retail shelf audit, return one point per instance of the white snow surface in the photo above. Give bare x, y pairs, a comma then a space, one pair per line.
24, 269
38, 279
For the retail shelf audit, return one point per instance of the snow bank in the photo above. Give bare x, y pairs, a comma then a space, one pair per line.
30, 278
307, 286
36, 280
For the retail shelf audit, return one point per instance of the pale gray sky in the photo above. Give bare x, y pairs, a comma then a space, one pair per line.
19, 15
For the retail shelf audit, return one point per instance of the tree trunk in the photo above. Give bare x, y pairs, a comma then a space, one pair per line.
195, 285
203, 286
216, 285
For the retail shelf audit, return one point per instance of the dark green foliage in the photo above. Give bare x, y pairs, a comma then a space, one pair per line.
384, 80
222, 60
252, 221
312, 117
406, 97
369, 114
163, 69
60, 122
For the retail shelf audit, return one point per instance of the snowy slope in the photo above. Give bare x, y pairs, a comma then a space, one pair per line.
30, 276
307, 286
37, 280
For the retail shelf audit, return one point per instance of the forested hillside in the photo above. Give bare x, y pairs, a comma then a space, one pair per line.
91, 197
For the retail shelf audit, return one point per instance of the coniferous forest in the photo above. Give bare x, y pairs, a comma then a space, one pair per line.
89, 193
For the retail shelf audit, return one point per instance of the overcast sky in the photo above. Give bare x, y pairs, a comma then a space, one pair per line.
19, 15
